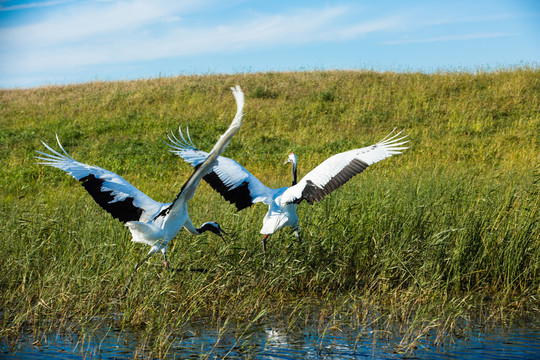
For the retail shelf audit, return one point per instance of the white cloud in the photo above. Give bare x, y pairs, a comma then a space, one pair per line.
31, 5
390, 23
70, 36
94, 19
136, 31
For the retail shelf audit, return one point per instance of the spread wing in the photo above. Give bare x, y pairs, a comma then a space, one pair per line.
340, 168
227, 177
114, 194
205, 165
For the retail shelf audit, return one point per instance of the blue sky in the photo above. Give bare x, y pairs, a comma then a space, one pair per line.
67, 41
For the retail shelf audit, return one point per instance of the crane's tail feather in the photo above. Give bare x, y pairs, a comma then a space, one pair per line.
142, 232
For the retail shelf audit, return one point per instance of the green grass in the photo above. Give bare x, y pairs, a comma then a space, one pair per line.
445, 232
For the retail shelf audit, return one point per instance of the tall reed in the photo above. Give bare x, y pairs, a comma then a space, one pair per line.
446, 230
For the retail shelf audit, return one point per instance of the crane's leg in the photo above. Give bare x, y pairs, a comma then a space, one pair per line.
264, 242
165, 261
134, 271
297, 234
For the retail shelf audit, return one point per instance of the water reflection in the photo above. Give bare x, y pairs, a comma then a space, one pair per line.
271, 342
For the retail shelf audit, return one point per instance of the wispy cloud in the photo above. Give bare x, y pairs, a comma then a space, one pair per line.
94, 19
68, 36
31, 5
140, 30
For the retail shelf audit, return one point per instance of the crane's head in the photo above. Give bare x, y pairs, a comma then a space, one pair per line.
291, 159
213, 227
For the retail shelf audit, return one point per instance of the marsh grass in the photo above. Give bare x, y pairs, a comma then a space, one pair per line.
419, 243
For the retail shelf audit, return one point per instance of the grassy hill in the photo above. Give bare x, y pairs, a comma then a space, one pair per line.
446, 230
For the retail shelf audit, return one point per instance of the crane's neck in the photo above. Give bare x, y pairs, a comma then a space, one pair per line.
294, 176
209, 226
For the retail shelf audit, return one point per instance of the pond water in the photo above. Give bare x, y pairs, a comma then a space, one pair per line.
267, 342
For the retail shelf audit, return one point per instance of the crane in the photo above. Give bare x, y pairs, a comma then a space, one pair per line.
150, 222
241, 188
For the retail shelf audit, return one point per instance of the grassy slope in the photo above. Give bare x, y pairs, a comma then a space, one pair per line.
448, 227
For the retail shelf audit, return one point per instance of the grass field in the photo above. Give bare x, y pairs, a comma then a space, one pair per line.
448, 231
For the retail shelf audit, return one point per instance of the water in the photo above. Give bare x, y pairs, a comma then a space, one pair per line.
268, 342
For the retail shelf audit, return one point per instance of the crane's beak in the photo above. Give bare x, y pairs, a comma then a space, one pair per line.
286, 162
221, 233
223, 237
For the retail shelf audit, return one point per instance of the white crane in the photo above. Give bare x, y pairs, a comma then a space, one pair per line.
150, 222
241, 188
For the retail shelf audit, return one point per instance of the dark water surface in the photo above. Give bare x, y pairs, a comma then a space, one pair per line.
267, 342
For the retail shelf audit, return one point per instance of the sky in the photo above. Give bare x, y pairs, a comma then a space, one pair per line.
54, 42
